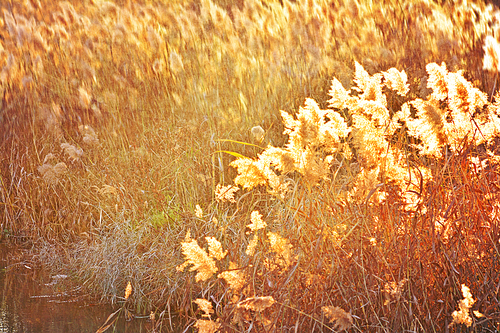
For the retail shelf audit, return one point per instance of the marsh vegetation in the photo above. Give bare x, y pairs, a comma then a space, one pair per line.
258, 165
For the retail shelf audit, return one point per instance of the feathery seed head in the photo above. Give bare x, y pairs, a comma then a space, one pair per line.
225, 193
437, 80
256, 303
343, 320
369, 86
234, 277
89, 135
462, 316
85, 98
251, 173
52, 174
207, 326
49, 157
397, 81
428, 126
128, 290
158, 66
282, 248
176, 63
70, 15
205, 306
196, 256
252, 244
198, 212
108, 8
282, 159
491, 60
258, 133
339, 95
73, 153
257, 222
215, 248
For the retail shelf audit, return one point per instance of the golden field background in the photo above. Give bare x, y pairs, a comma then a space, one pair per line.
370, 203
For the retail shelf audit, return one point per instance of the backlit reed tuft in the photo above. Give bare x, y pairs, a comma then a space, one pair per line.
342, 320
491, 60
462, 316
202, 262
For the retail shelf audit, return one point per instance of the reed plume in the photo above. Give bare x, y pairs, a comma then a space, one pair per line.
128, 290
201, 261
462, 316
52, 173
89, 135
257, 222
491, 60
252, 245
235, 277
256, 303
198, 212
225, 193
282, 249
205, 306
397, 81
73, 152
342, 320
206, 325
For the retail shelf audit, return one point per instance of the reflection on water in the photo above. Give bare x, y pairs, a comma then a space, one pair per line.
32, 304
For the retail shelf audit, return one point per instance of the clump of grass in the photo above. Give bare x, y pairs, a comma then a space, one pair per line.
333, 242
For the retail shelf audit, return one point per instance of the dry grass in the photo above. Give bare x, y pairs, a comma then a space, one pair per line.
120, 123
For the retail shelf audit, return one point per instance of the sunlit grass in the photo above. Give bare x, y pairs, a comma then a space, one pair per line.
121, 122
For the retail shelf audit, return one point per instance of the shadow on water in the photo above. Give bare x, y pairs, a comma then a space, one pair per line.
31, 303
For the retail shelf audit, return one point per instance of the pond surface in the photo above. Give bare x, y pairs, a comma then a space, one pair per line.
32, 304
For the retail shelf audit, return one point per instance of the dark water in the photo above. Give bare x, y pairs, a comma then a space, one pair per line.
31, 303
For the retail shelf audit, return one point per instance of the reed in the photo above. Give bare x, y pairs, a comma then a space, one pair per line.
401, 193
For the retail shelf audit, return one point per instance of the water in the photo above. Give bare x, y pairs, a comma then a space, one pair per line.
30, 303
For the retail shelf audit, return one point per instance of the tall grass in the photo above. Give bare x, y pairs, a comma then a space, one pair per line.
120, 123
411, 218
